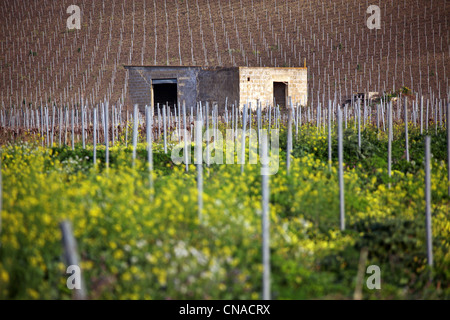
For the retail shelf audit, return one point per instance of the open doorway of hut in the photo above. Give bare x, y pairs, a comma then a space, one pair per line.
279, 93
165, 92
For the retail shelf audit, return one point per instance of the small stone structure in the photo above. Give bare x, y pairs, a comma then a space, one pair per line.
216, 85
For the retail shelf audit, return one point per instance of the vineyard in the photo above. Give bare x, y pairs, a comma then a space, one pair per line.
148, 227
241, 200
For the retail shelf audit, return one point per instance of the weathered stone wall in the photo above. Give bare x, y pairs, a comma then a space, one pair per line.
139, 87
215, 85
256, 83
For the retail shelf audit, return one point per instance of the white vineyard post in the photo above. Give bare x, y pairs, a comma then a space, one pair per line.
113, 124
421, 115
244, 120
390, 136
428, 201
289, 138
185, 138
71, 255
206, 113
359, 123
406, 129
341, 172
329, 136
106, 134
149, 116
199, 161
53, 126
265, 218
46, 126
82, 127
448, 145
60, 112
1, 191
135, 133
95, 136
164, 129
73, 129
126, 129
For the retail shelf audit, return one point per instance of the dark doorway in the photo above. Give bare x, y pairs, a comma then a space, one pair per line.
279, 93
165, 92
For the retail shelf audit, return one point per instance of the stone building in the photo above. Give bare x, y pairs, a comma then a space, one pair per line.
216, 85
